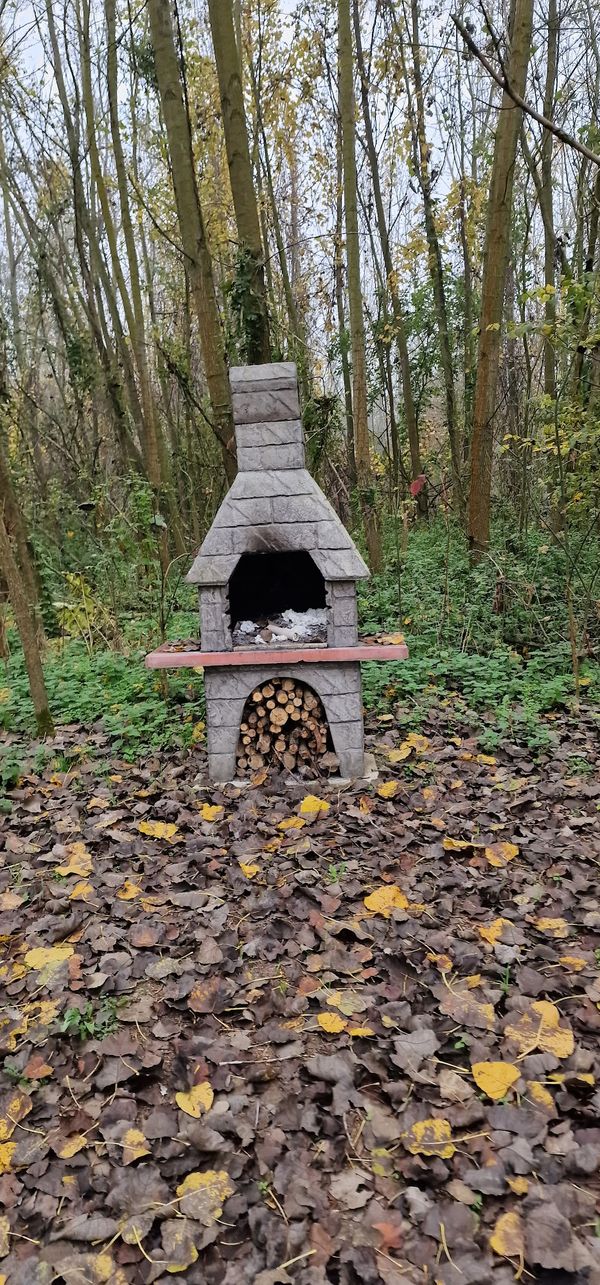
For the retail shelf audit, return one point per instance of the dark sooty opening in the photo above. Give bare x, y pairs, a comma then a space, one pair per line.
265, 584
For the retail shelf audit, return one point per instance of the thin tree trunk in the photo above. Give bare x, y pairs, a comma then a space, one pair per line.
496, 254
191, 227
366, 484
412, 427
25, 623
546, 196
256, 322
339, 304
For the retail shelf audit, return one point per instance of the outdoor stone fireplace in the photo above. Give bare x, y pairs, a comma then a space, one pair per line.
277, 576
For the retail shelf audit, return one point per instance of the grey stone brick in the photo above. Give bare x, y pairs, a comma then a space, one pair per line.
347, 736
344, 611
263, 407
271, 482
343, 708
341, 635
214, 570
221, 766
352, 763
342, 589
278, 433
255, 458
240, 513
274, 374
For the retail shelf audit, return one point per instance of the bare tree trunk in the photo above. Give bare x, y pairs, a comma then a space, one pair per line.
546, 196
366, 484
26, 626
496, 254
255, 324
191, 226
339, 304
412, 427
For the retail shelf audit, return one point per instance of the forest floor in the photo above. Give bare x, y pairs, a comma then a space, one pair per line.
267, 1036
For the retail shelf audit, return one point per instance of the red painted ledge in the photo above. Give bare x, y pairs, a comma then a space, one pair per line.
164, 658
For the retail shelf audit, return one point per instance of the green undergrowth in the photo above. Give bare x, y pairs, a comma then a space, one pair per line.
491, 645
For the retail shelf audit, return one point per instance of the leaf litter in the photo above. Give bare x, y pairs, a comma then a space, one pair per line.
263, 1036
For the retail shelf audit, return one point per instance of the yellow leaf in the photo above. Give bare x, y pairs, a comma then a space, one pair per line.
128, 891
75, 1143
211, 811
7, 1151
507, 1237
586, 1077
428, 793
97, 801
473, 980
198, 731
455, 845
520, 1186
249, 869
332, 1023
311, 806
553, 927
443, 962
495, 1078
397, 756
573, 963
47, 959
360, 1032
14, 1110
79, 861
430, 1138
4, 1240
388, 789
157, 829
539, 1028
291, 823
492, 932
82, 891
486, 758
200, 1098
499, 854
395, 639
134, 1146
540, 1094
386, 899
203, 1193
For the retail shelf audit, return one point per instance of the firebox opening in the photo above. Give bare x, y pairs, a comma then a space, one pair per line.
264, 585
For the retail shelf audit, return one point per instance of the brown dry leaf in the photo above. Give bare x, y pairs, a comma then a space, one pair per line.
331, 1023
177, 1237
507, 1238
203, 1193
495, 1078
464, 1008
158, 829
37, 1068
430, 1138
540, 1027
385, 899
199, 1099
499, 854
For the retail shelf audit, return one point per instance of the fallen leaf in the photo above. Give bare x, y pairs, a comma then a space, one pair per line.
574, 963
430, 1138
492, 932
495, 1078
83, 891
360, 1032
178, 1246
331, 1023
203, 1193
455, 845
520, 1186
386, 899
499, 854
507, 1238
135, 1145
128, 891
539, 1027
14, 1107
211, 812
48, 959
311, 806
540, 1095
71, 1146
291, 823
199, 1099
557, 928
249, 869
388, 789
79, 861
158, 829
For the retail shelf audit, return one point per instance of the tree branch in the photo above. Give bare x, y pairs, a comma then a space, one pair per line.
504, 84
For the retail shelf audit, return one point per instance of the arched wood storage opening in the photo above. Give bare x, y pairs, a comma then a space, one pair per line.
284, 727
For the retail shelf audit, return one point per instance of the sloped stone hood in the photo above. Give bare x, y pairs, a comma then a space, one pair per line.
274, 504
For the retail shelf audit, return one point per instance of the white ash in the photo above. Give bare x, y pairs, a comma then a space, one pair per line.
291, 626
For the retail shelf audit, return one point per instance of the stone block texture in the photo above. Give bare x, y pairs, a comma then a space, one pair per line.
275, 506
338, 686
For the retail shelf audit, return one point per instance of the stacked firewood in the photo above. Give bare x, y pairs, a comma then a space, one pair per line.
284, 726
